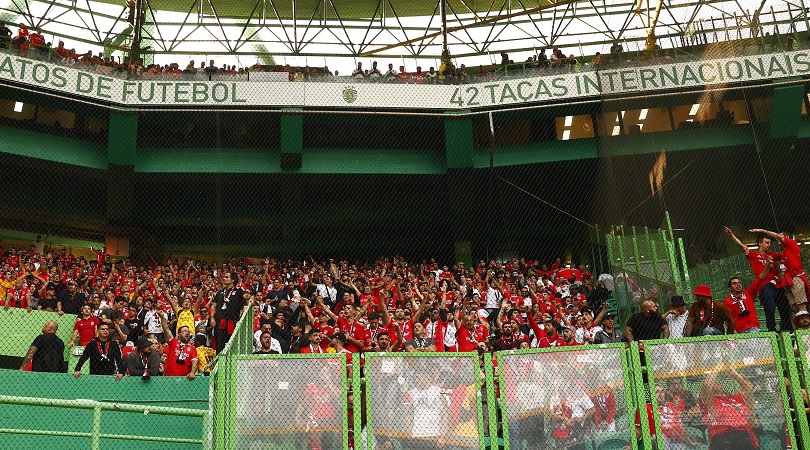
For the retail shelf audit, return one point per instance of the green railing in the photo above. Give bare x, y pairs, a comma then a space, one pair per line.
95, 435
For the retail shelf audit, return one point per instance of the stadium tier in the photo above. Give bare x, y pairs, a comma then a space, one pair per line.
584, 252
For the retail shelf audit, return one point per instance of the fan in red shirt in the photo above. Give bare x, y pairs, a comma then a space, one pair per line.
181, 355
741, 302
85, 328
727, 416
551, 339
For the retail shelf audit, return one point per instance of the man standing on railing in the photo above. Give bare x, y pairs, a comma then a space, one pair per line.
228, 305
104, 355
772, 295
795, 280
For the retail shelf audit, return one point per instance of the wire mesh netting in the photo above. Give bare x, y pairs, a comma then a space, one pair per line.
290, 403
720, 393
565, 399
423, 402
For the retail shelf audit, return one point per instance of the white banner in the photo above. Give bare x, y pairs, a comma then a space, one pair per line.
540, 88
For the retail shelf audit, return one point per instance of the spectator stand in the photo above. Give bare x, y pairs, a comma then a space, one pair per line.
569, 397
646, 266
701, 388
423, 401
795, 348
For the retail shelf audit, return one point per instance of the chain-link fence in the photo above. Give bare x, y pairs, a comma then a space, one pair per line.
722, 393
566, 399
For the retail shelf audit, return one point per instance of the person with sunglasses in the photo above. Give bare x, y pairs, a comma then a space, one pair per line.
104, 355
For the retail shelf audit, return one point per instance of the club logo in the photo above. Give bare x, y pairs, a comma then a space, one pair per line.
350, 94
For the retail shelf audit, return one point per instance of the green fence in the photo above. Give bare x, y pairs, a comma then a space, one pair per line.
55, 410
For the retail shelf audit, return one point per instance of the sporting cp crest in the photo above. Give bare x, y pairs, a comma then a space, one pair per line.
349, 94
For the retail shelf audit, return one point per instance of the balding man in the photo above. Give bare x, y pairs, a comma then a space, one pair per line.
647, 324
47, 352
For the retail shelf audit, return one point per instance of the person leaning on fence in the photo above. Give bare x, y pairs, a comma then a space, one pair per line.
145, 362
708, 317
47, 352
646, 324
104, 355
228, 305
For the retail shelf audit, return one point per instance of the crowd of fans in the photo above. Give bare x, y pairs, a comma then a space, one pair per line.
33, 44
172, 318
386, 305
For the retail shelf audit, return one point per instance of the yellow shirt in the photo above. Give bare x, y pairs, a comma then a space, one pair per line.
185, 319
204, 356
5, 286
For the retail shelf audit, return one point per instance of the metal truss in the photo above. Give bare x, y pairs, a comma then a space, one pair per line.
330, 29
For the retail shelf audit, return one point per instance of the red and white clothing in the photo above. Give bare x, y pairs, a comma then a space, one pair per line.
745, 302
176, 352
466, 340
17, 298
726, 413
758, 261
406, 326
86, 329
551, 341
353, 329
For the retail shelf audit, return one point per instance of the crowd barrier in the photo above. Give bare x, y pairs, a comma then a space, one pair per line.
723, 389
737, 392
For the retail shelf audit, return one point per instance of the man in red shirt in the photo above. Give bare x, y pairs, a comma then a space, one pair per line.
741, 302
728, 416
85, 327
795, 280
181, 355
551, 339
772, 295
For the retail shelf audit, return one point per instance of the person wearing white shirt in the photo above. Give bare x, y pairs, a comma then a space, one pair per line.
676, 316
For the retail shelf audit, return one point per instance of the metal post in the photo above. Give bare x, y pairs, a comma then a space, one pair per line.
95, 439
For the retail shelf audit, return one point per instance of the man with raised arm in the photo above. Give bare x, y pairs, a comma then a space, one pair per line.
795, 279
772, 295
181, 353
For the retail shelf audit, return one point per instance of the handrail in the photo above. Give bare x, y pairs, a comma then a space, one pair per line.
96, 435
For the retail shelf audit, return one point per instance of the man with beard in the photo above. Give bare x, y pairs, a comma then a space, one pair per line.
228, 304
707, 316
646, 324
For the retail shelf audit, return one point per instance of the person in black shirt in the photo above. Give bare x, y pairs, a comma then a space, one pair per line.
228, 305
647, 324
5, 35
71, 299
47, 352
104, 355
49, 302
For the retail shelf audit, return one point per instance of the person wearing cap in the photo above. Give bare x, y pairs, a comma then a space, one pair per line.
772, 296
143, 360
741, 302
802, 320
707, 316
609, 333
797, 287
676, 316
104, 355
71, 298
49, 302
646, 324
569, 336
338, 345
